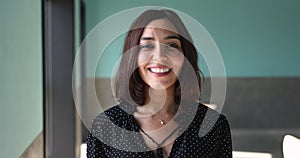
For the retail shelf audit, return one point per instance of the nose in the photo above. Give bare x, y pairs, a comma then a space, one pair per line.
159, 52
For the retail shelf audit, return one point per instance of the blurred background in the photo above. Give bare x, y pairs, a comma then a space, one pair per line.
259, 42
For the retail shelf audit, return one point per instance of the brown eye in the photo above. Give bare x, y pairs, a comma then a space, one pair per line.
173, 45
147, 46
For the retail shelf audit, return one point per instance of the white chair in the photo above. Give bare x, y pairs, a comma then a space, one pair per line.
291, 147
83, 151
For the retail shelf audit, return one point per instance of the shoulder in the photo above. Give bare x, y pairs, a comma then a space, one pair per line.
116, 116
207, 119
204, 113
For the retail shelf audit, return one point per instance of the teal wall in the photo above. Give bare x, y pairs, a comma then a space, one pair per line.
256, 38
21, 114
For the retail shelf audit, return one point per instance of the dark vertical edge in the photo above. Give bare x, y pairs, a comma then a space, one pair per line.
84, 129
58, 57
43, 76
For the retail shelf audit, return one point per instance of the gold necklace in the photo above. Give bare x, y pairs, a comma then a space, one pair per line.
162, 122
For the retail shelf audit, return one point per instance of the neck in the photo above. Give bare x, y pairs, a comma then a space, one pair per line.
159, 102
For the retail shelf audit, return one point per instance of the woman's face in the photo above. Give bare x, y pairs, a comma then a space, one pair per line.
160, 57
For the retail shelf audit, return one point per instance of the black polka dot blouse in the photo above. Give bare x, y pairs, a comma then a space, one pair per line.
203, 133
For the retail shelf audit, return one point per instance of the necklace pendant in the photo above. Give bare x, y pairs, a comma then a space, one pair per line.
162, 122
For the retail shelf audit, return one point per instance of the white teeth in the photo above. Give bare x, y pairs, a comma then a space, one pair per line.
159, 70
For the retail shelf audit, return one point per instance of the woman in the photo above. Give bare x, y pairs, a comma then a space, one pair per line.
159, 113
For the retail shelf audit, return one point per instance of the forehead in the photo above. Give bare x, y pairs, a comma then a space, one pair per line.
163, 26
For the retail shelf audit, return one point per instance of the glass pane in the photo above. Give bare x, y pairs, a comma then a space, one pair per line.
21, 93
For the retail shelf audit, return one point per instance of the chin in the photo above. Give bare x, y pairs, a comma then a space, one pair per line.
161, 86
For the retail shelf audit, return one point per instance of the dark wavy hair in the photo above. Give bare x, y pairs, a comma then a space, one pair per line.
130, 87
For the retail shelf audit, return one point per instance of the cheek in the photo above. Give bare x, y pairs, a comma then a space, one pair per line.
141, 61
143, 58
179, 67
178, 60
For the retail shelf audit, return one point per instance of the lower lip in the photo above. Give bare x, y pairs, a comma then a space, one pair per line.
160, 74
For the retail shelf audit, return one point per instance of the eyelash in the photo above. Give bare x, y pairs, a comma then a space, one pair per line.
147, 46
173, 45
151, 46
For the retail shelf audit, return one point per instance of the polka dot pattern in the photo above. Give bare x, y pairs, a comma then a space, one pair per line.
214, 143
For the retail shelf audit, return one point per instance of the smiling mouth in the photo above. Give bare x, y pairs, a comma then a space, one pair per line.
160, 70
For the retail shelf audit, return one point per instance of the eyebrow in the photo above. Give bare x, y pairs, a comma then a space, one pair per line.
146, 38
172, 37
166, 38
